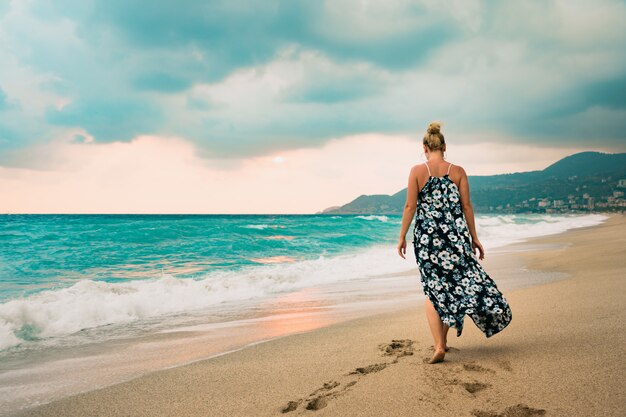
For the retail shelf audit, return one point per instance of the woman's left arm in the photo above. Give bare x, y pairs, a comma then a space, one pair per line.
409, 210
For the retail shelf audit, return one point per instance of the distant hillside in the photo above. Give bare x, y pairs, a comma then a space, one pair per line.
568, 184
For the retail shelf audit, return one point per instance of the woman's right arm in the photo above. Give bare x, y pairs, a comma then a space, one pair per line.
468, 211
410, 207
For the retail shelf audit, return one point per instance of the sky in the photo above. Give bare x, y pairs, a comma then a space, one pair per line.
196, 106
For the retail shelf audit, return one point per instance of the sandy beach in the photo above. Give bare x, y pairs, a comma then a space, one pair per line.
562, 355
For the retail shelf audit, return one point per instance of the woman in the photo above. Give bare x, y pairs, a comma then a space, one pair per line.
445, 241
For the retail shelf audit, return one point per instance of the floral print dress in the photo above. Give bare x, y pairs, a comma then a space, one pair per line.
450, 274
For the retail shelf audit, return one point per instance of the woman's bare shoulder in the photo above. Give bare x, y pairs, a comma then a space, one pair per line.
457, 169
417, 168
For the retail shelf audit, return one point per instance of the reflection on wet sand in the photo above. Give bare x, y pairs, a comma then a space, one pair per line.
296, 312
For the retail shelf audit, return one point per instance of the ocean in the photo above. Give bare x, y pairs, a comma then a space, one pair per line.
80, 288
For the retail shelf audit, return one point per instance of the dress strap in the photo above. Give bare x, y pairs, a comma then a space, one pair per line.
426, 163
450, 166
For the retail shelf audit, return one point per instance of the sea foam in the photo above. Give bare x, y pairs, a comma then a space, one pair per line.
497, 231
89, 304
374, 217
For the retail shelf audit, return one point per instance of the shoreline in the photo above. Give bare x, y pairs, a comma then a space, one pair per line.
93, 403
33, 378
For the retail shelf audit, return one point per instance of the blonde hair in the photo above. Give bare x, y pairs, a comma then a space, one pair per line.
433, 139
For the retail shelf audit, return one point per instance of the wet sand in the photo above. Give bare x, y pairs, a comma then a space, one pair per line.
562, 355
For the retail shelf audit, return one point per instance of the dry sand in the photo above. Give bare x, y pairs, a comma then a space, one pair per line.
562, 355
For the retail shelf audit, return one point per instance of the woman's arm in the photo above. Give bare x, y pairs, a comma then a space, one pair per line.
468, 211
409, 210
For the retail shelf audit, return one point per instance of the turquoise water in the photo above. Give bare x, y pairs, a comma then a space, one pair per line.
63, 274
39, 252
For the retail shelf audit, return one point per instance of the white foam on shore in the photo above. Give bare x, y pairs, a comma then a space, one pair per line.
88, 304
498, 231
374, 217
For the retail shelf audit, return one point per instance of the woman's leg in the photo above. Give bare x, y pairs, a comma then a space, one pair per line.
437, 329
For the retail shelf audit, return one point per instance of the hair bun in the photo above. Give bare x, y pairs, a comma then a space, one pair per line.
433, 128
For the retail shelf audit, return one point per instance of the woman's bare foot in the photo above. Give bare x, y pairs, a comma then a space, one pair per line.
447, 348
438, 356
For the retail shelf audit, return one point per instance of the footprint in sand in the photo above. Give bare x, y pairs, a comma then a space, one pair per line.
319, 398
291, 406
471, 387
326, 387
474, 367
474, 387
518, 410
369, 369
317, 403
397, 348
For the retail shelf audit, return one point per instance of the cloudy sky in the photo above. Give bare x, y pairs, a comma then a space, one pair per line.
234, 106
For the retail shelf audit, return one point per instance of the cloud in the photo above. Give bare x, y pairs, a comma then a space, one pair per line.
6, 136
242, 33
108, 120
4, 101
240, 78
328, 84
162, 82
153, 174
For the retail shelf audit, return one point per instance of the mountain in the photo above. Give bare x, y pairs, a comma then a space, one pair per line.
566, 185
587, 163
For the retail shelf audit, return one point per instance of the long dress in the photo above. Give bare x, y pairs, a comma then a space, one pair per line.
450, 274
